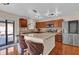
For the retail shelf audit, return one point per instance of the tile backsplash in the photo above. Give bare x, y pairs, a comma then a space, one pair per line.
25, 30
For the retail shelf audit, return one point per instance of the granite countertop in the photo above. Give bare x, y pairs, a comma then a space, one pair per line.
38, 37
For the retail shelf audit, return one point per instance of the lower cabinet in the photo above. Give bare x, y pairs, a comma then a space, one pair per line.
65, 39
76, 40
72, 28
71, 39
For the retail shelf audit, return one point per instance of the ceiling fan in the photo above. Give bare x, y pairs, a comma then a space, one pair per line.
48, 14
57, 12
37, 14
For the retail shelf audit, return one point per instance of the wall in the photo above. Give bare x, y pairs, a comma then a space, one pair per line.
8, 16
31, 24
69, 18
65, 18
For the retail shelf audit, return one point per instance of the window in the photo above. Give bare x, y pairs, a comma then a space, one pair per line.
7, 32
73, 27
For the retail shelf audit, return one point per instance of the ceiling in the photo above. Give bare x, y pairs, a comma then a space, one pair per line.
25, 9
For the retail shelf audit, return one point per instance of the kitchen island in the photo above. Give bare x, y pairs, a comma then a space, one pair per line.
47, 39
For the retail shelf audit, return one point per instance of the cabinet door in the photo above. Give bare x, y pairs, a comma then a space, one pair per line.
70, 39
60, 23
76, 40
23, 22
65, 38
55, 23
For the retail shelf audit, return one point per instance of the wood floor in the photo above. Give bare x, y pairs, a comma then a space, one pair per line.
60, 49
9, 51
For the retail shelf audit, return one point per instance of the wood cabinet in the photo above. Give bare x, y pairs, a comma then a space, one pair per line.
56, 23
41, 25
22, 22
58, 37
60, 23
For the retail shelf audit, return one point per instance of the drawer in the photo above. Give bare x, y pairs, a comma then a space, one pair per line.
58, 38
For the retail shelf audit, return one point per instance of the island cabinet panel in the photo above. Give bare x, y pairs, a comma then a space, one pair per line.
22, 22
47, 39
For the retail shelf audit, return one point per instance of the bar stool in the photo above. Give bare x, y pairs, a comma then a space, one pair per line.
34, 48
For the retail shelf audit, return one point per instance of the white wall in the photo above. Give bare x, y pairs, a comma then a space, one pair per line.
4, 16
31, 24
69, 18
65, 18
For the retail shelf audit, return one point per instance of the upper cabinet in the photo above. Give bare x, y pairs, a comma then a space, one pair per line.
40, 24
22, 22
44, 24
58, 23
55, 23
